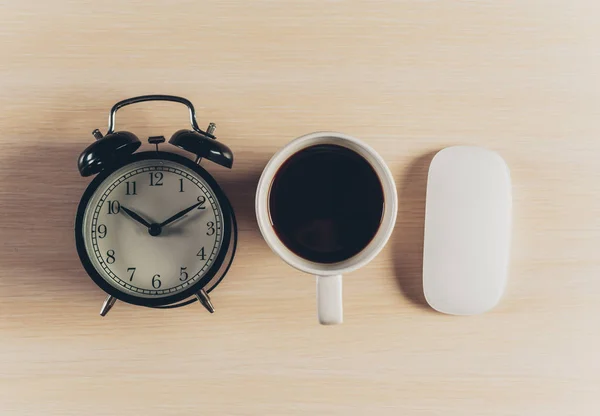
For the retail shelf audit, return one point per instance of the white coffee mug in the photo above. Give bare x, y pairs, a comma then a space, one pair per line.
329, 275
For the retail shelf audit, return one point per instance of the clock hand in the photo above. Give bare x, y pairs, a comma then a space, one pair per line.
179, 214
136, 217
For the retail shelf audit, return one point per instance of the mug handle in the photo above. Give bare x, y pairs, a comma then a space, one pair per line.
330, 308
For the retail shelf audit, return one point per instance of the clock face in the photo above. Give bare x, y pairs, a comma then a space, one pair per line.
153, 228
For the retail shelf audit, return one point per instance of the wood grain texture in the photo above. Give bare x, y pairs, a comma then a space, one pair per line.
409, 77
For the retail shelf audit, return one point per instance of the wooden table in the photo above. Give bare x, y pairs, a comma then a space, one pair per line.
409, 77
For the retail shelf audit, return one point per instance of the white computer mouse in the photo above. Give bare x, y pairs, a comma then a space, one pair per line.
467, 230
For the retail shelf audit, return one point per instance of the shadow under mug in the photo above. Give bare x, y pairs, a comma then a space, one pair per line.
329, 275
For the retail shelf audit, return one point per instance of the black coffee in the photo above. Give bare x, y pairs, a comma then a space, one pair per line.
326, 203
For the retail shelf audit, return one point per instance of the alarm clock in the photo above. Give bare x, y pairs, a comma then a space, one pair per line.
154, 228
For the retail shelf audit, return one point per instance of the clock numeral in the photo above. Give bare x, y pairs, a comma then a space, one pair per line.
156, 178
110, 256
131, 188
201, 254
183, 275
156, 281
181, 185
132, 271
202, 200
211, 228
113, 207
101, 231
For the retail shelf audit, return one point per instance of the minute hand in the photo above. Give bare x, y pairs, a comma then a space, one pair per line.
179, 214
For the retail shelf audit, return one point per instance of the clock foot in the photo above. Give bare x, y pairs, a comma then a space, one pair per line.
204, 299
108, 303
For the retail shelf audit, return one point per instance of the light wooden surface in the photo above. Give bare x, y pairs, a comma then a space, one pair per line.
409, 77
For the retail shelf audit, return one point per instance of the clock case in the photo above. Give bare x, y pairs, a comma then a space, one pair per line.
116, 150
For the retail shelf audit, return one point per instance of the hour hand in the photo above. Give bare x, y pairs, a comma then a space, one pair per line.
136, 217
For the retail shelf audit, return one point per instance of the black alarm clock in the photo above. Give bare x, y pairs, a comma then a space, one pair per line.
154, 228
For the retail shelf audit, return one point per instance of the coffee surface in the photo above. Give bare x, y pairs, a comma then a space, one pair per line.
326, 203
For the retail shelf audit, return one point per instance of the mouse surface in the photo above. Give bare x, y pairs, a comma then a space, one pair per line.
467, 230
